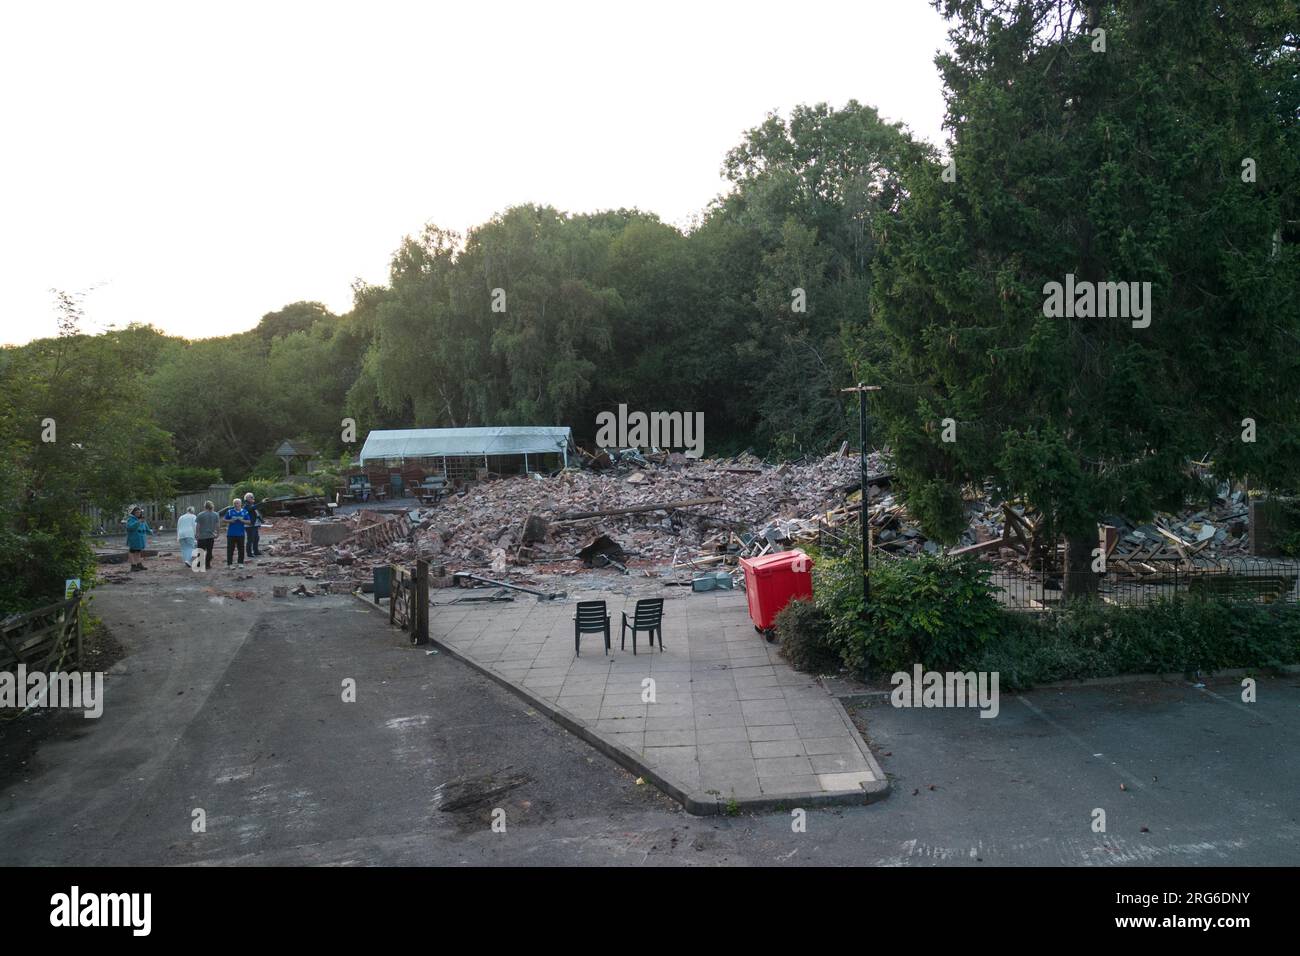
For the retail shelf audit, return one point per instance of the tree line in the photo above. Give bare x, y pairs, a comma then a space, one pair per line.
1104, 141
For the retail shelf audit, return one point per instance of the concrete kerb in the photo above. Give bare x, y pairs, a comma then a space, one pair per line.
697, 804
869, 698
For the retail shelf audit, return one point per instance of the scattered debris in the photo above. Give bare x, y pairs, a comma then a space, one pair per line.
680, 520
462, 576
606, 549
237, 595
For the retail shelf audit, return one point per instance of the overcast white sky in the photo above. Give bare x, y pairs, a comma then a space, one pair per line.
201, 165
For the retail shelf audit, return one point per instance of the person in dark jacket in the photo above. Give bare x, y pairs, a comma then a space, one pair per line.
235, 519
136, 530
254, 526
205, 532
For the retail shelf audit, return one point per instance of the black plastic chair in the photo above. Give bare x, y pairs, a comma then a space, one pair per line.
648, 616
592, 618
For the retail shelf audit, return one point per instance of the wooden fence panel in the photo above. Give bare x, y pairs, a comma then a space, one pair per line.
219, 495
43, 639
408, 600
161, 515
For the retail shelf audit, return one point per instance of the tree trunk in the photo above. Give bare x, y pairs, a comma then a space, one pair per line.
1080, 579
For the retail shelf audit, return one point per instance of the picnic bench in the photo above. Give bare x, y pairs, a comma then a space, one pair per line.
358, 489
431, 490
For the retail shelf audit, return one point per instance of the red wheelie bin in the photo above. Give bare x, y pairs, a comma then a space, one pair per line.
773, 581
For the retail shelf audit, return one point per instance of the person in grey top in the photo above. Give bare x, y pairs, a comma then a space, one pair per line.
205, 532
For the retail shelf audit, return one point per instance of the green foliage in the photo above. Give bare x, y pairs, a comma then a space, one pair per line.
185, 478
298, 317
38, 551
940, 612
298, 486
1289, 544
1088, 640
1283, 514
105, 449
269, 467
933, 610
213, 398
1124, 166
939, 508
837, 591
809, 197
803, 630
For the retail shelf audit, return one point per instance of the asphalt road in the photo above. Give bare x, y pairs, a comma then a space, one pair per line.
235, 708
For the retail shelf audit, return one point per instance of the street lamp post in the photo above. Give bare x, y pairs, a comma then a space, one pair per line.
862, 390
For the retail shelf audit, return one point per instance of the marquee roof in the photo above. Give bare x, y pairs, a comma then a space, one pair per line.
462, 442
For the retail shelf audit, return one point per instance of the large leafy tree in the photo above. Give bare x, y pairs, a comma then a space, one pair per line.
798, 232
295, 317
1110, 159
425, 354
76, 430
219, 403
554, 331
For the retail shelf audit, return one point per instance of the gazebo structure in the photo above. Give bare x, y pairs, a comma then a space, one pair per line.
288, 451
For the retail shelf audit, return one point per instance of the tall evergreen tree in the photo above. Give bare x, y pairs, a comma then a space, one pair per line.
1150, 141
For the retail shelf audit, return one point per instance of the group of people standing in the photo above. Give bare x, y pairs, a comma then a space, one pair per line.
198, 532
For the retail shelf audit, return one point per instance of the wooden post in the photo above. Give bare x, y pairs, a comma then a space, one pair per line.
80, 626
420, 619
862, 390
392, 593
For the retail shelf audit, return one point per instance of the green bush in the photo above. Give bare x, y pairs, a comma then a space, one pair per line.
39, 548
942, 613
1090, 639
803, 630
300, 486
933, 610
1284, 514
186, 479
1031, 649
270, 467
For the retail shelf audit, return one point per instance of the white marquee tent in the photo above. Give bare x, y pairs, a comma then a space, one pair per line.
405, 443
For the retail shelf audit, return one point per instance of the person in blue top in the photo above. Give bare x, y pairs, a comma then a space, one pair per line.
136, 530
234, 518
254, 526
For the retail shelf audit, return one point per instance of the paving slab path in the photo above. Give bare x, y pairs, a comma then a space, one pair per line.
715, 717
